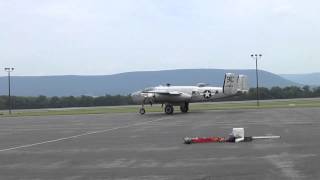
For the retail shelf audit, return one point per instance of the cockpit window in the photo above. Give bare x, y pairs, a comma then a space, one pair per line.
202, 84
149, 89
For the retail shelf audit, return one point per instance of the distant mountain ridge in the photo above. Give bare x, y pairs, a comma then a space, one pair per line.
126, 83
312, 79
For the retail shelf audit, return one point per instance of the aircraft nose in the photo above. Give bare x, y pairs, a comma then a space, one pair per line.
136, 97
136, 93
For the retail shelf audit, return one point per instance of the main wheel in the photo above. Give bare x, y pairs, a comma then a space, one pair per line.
184, 108
168, 109
142, 111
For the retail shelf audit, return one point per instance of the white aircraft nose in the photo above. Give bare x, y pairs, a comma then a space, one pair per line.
136, 93
137, 97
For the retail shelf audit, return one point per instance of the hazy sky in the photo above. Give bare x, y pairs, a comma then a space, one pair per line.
57, 37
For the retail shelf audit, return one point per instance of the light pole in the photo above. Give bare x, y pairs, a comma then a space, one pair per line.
255, 57
9, 70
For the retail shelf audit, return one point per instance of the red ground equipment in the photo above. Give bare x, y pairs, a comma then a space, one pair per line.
188, 140
237, 135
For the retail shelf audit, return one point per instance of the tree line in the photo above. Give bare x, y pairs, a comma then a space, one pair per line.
22, 102
280, 93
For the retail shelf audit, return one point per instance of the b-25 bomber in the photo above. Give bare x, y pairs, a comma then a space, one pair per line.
170, 96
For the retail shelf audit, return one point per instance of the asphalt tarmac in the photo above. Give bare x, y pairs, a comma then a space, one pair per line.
130, 146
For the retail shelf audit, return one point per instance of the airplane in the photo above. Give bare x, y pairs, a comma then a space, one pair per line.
183, 95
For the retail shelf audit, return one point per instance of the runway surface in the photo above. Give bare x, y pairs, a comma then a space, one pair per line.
130, 146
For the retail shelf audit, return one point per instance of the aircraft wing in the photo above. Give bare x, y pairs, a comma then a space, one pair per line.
172, 93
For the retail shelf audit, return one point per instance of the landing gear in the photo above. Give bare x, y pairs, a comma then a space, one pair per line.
168, 109
184, 108
142, 111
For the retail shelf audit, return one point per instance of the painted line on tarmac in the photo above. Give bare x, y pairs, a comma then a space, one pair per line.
80, 135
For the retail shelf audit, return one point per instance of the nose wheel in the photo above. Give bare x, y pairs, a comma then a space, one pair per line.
142, 111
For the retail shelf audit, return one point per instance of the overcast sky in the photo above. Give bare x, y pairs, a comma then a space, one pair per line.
90, 37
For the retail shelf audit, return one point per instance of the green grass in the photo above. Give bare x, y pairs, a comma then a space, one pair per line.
157, 108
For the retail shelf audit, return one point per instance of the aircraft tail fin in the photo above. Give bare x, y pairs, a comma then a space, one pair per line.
230, 84
233, 85
243, 86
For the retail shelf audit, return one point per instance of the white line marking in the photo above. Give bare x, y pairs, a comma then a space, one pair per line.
79, 135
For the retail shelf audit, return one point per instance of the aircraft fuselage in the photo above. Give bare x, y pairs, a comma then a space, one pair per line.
183, 95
